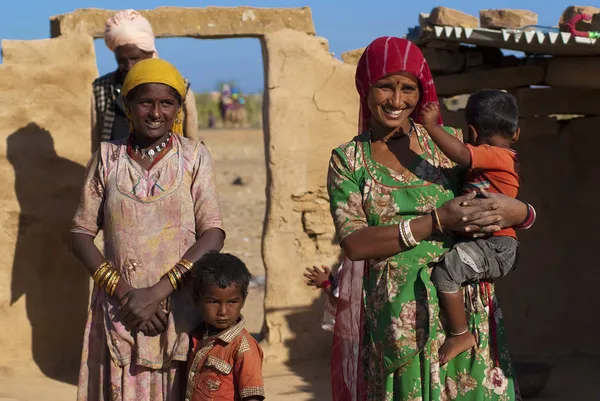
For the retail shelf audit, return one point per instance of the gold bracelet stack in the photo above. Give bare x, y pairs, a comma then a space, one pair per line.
106, 277
179, 274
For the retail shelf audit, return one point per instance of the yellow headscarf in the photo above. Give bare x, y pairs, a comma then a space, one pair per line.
157, 71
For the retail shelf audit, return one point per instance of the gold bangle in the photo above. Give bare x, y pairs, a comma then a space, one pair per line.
172, 280
110, 281
186, 264
105, 278
99, 269
178, 276
438, 223
185, 274
111, 289
99, 272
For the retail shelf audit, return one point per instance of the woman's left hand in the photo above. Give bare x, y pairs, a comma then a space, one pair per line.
139, 305
503, 211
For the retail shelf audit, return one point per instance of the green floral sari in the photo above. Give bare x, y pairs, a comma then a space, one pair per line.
402, 327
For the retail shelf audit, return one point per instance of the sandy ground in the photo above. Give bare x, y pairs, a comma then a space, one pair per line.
573, 379
239, 155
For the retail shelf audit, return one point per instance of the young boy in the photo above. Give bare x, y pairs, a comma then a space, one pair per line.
492, 117
225, 362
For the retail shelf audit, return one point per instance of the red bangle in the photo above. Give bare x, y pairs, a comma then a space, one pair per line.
529, 220
325, 284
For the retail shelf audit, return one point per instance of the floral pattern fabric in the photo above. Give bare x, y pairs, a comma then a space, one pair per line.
150, 218
403, 329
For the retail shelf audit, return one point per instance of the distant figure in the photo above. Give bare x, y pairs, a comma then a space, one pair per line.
225, 101
235, 112
212, 120
130, 37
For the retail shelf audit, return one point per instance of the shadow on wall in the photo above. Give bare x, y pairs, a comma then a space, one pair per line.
310, 351
55, 286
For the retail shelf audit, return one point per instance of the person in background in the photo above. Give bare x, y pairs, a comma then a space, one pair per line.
130, 37
212, 121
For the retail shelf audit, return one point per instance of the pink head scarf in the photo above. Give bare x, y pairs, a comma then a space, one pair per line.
388, 55
128, 27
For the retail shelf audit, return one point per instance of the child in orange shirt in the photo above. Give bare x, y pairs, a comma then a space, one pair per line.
492, 117
225, 362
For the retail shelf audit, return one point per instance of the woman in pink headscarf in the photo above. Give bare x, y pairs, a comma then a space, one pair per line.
131, 38
392, 195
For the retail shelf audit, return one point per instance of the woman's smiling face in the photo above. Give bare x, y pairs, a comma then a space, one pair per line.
153, 109
393, 98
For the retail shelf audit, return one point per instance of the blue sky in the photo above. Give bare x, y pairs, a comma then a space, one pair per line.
347, 24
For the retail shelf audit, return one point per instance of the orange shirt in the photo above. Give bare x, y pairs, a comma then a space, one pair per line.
227, 367
494, 169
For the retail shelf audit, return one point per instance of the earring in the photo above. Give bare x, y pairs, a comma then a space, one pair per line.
177, 120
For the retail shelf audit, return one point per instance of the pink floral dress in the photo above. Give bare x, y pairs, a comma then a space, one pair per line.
150, 219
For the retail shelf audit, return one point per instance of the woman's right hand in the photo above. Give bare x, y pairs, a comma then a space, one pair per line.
455, 216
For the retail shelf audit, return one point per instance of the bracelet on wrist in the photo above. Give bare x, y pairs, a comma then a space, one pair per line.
325, 284
179, 274
406, 234
106, 278
436, 219
529, 219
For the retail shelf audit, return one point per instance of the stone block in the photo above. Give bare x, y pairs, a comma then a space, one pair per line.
473, 57
318, 222
574, 72
443, 61
500, 78
45, 110
491, 56
580, 127
538, 127
47, 51
442, 45
506, 18
352, 56
449, 17
549, 101
205, 22
571, 11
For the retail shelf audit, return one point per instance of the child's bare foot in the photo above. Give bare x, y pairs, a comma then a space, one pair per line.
455, 345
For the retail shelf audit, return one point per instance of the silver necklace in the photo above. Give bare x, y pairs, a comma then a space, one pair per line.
151, 152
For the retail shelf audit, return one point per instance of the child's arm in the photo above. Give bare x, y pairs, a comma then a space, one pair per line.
450, 145
320, 279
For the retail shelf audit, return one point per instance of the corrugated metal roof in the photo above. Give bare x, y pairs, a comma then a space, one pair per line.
529, 41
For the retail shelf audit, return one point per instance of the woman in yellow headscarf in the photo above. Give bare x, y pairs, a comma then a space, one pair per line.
154, 196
